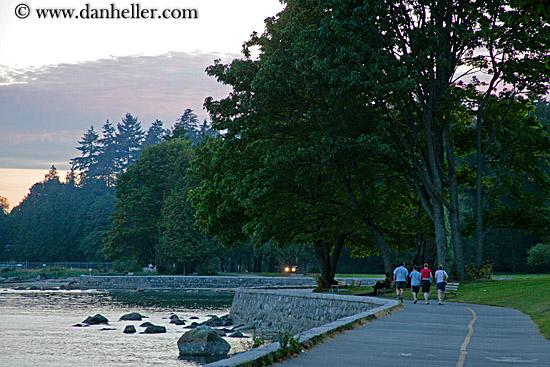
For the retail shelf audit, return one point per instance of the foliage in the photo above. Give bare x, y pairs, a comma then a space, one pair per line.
539, 256
153, 221
483, 273
58, 222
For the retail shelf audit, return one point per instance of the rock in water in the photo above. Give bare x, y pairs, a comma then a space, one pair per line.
95, 320
133, 316
203, 341
155, 329
129, 329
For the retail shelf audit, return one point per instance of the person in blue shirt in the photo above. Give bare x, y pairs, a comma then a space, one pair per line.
400, 279
415, 282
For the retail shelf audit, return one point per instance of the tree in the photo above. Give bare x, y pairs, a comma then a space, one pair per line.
182, 246
108, 157
539, 256
187, 126
129, 138
89, 148
141, 191
295, 140
155, 134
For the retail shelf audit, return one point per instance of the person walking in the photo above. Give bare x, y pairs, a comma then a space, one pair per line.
415, 282
440, 281
400, 279
427, 279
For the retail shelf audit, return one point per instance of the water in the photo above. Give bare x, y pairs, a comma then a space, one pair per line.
36, 328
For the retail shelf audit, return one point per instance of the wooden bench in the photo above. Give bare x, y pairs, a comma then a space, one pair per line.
341, 283
451, 288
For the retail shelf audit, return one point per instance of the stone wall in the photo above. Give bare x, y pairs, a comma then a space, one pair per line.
294, 310
136, 282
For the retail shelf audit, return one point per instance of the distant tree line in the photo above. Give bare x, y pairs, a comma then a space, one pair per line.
125, 200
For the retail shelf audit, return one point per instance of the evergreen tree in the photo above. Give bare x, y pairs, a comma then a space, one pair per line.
155, 134
89, 146
108, 158
187, 126
129, 139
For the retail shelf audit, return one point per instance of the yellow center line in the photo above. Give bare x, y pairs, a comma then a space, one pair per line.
463, 352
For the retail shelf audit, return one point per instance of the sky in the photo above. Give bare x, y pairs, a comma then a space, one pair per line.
59, 77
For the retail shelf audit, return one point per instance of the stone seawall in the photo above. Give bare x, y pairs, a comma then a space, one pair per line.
136, 282
295, 310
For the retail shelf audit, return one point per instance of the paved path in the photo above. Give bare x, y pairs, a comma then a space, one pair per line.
454, 335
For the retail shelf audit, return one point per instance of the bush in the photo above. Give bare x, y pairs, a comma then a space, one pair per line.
539, 255
485, 272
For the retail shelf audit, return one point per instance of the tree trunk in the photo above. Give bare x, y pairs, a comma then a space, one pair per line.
382, 246
454, 210
479, 197
441, 236
327, 259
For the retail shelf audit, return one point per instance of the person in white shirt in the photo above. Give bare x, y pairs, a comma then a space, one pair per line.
440, 281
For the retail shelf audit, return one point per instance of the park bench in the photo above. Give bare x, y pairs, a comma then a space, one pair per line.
341, 283
389, 288
451, 288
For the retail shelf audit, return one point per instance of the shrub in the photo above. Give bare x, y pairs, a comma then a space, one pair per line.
539, 255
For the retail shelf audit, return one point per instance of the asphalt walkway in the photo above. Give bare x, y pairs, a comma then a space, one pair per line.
454, 335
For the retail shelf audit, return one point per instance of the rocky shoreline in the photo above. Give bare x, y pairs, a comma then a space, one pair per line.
40, 284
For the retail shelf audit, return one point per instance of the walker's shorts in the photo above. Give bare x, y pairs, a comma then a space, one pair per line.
400, 285
415, 288
441, 286
425, 285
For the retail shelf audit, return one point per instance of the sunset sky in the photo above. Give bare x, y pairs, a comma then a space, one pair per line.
58, 77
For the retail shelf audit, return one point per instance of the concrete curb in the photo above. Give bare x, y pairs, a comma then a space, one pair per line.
258, 356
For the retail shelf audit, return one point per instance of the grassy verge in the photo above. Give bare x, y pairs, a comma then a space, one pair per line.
529, 296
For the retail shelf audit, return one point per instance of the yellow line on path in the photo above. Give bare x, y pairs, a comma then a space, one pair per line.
463, 352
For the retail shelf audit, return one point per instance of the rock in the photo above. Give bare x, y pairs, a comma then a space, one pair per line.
237, 334
193, 325
174, 316
129, 329
244, 327
177, 321
155, 329
202, 341
133, 316
145, 324
193, 318
221, 332
108, 328
213, 322
95, 320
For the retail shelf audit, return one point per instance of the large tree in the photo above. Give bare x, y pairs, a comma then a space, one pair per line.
302, 160
150, 215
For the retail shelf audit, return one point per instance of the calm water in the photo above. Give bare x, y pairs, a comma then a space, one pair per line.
36, 328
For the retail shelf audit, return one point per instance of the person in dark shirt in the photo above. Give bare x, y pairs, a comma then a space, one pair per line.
380, 284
